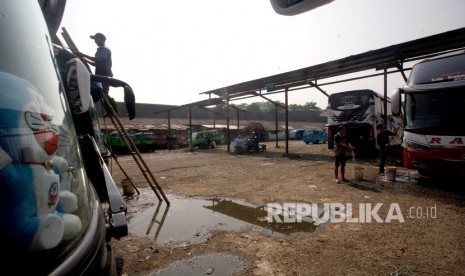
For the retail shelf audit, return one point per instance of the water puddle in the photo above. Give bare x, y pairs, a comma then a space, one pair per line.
192, 220
401, 178
407, 176
212, 264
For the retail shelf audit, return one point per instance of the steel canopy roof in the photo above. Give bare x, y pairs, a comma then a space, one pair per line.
389, 57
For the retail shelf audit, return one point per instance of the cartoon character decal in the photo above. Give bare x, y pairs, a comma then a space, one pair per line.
36, 202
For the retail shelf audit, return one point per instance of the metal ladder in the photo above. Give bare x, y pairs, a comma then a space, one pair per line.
133, 150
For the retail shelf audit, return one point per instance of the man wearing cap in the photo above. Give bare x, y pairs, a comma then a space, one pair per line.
102, 59
102, 62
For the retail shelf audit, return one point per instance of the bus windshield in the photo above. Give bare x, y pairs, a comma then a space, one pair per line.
439, 70
148, 135
350, 106
436, 112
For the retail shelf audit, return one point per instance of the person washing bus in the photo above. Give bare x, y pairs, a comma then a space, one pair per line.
342, 145
383, 141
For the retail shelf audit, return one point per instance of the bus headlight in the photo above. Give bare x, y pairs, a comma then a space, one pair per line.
416, 146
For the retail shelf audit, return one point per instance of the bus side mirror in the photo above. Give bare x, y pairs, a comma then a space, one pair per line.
294, 7
78, 82
396, 102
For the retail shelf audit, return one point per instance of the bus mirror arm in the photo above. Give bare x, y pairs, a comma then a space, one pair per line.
118, 226
106, 188
290, 8
129, 97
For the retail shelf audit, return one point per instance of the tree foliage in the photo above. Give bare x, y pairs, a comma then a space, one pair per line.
270, 107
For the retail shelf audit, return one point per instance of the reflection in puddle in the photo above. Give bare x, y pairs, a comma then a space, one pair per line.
192, 220
215, 264
258, 217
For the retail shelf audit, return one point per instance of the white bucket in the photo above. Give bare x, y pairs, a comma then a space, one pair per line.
128, 189
358, 173
390, 173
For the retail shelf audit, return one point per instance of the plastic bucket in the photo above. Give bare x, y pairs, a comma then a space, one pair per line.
390, 173
128, 189
358, 173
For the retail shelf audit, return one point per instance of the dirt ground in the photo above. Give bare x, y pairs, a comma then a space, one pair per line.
429, 240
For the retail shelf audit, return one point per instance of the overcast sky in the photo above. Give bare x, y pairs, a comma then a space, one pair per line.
170, 51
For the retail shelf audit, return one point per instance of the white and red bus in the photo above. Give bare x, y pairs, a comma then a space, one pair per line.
434, 121
360, 111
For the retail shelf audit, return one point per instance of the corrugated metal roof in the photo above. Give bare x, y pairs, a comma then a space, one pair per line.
387, 57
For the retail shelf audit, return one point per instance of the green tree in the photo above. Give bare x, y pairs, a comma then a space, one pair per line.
270, 107
310, 106
254, 107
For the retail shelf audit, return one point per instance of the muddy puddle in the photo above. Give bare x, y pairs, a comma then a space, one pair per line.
192, 220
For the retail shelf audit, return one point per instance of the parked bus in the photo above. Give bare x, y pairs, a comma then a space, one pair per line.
148, 141
315, 136
434, 125
360, 111
143, 140
203, 139
296, 134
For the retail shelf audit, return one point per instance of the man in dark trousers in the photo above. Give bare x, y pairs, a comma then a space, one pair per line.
383, 143
102, 62
102, 59
341, 146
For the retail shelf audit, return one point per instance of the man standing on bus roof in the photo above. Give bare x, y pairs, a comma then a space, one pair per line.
102, 61
341, 146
